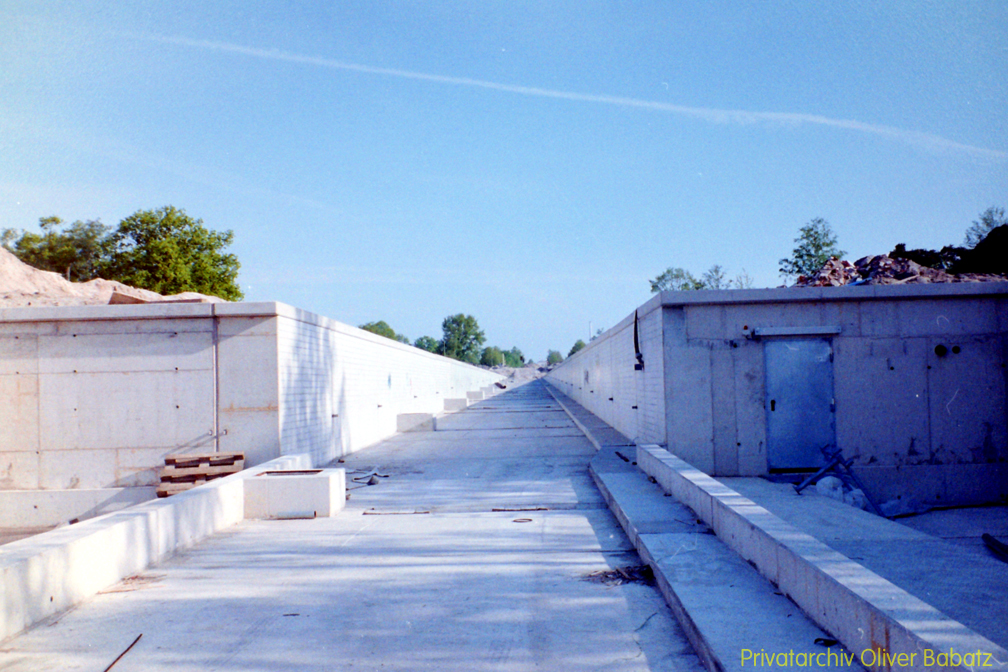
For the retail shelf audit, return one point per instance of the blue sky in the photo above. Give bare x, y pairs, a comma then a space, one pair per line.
532, 164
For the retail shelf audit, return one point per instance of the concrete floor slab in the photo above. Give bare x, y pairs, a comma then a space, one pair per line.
463, 587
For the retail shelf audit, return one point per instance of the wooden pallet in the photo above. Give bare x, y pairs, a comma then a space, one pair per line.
183, 472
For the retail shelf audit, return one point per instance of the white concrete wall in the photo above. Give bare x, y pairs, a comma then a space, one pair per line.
914, 421
96, 396
88, 403
602, 378
341, 388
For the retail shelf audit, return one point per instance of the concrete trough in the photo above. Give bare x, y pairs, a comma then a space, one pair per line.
456, 404
416, 422
303, 493
860, 608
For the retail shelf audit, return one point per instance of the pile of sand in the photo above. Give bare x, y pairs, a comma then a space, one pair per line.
517, 376
23, 285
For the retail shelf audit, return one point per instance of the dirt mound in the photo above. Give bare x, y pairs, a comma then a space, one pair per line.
22, 285
517, 376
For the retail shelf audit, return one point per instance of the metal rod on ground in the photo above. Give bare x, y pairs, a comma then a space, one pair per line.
843, 468
123, 653
814, 477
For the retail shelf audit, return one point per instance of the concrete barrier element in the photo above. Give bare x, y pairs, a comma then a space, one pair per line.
44, 508
860, 608
488, 391
48, 573
456, 404
475, 396
309, 493
416, 422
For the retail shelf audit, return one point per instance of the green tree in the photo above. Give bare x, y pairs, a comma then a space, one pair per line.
492, 356
554, 357
382, 328
578, 345
514, 358
681, 280
675, 280
428, 343
77, 252
816, 244
167, 251
461, 338
990, 219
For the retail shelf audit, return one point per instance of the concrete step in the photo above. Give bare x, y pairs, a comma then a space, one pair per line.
730, 613
863, 609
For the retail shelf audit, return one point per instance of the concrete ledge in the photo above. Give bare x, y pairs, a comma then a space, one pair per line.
311, 493
475, 396
456, 404
416, 422
863, 610
722, 603
48, 573
44, 508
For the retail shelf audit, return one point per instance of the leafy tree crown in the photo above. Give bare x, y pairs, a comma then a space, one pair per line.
382, 328
990, 219
461, 338
816, 244
167, 251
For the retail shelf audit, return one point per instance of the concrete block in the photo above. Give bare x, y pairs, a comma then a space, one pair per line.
19, 470
18, 354
947, 317
83, 353
475, 396
80, 468
308, 493
42, 508
456, 404
19, 405
416, 422
689, 416
705, 322
253, 432
262, 325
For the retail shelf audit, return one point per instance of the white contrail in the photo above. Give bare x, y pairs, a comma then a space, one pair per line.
929, 140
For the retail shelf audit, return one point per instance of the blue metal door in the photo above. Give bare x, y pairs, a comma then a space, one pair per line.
799, 402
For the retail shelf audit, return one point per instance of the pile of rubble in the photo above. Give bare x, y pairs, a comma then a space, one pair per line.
986, 262
884, 270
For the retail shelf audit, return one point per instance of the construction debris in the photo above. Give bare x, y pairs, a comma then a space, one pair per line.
884, 270
184, 472
616, 577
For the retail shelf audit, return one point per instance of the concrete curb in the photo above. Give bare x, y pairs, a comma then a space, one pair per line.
51, 572
863, 610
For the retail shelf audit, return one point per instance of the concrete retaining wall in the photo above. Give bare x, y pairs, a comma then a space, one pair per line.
916, 421
96, 396
602, 377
